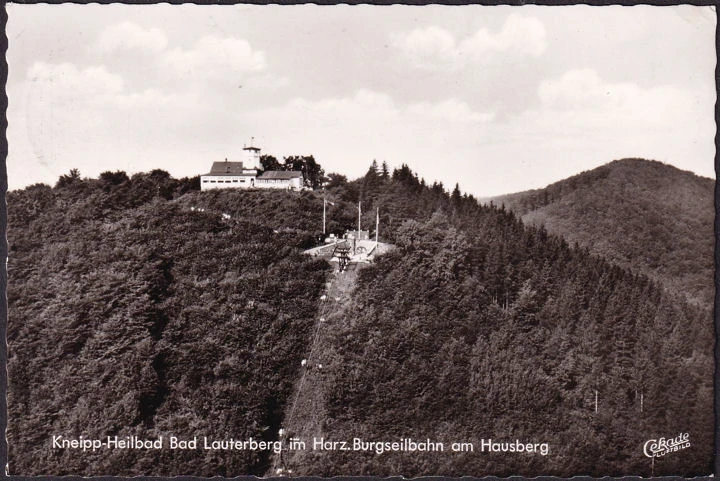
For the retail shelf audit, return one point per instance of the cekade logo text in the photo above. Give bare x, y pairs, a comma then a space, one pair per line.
655, 448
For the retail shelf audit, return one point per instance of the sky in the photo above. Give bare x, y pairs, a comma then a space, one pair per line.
498, 99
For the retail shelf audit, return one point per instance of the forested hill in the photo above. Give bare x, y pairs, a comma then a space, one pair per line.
136, 308
641, 214
140, 306
478, 327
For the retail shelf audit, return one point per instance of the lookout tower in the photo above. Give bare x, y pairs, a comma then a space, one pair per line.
251, 156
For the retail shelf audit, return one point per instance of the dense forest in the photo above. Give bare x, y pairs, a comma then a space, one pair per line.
640, 214
479, 327
142, 306
132, 312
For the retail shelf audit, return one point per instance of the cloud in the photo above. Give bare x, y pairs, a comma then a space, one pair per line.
66, 79
364, 104
449, 111
433, 47
90, 90
427, 43
211, 54
520, 35
369, 109
128, 35
137, 50
582, 94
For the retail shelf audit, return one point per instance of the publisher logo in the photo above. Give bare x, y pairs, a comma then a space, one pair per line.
655, 448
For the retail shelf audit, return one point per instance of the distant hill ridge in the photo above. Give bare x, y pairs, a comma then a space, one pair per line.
641, 214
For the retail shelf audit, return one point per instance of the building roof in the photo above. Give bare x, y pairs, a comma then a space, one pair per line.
281, 174
227, 168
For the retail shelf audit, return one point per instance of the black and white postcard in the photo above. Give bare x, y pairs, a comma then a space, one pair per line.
310, 240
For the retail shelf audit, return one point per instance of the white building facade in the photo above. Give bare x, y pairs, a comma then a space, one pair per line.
228, 175
248, 174
280, 179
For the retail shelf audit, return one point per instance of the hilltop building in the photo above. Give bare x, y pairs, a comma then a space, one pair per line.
280, 179
248, 174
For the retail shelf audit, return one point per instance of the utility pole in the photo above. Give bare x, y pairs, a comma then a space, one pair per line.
359, 213
377, 224
596, 395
